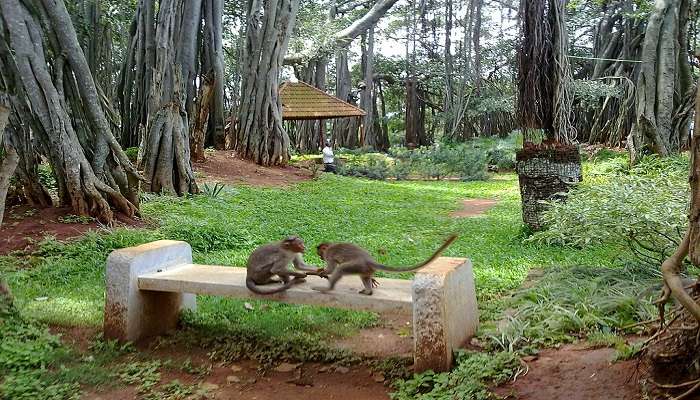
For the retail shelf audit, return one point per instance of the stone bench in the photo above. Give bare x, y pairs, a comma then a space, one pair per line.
148, 285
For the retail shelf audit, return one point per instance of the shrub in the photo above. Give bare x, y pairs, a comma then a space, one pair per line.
132, 153
643, 209
470, 379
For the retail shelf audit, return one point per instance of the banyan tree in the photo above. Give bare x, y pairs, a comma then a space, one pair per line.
549, 161
57, 113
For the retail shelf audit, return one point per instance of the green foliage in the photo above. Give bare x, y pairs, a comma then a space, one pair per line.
213, 191
571, 302
132, 153
590, 93
470, 379
372, 166
47, 178
643, 208
144, 374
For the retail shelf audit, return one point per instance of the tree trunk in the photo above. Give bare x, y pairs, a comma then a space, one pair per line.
545, 170
367, 95
345, 130
261, 135
664, 84
449, 112
310, 133
213, 31
201, 118
92, 171
9, 161
415, 128
166, 152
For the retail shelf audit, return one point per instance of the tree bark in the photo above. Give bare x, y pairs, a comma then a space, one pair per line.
9, 160
367, 95
166, 152
201, 118
261, 136
345, 130
663, 85
92, 171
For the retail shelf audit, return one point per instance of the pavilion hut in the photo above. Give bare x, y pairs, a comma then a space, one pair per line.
301, 101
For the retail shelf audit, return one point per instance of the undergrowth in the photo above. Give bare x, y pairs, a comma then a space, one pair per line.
470, 379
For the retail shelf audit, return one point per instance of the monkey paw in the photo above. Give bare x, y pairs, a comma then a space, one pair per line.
366, 292
375, 283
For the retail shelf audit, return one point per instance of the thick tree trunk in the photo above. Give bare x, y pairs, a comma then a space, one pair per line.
200, 121
213, 31
166, 152
345, 130
664, 84
66, 104
415, 127
261, 135
367, 95
310, 133
9, 161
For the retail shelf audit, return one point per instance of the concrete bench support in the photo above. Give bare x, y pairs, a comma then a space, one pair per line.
445, 313
148, 285
131, 313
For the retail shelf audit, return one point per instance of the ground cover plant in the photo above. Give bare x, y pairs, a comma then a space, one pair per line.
64, 283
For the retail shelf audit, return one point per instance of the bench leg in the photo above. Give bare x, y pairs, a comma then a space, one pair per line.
445, 313
131, 314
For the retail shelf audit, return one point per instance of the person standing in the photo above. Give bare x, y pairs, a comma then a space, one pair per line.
328, 158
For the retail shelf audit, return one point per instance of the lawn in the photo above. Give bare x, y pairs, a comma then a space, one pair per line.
401, 222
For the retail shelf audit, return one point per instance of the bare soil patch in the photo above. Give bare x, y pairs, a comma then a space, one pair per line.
473, 207
24, 227
245, 379
576, 373
393, 338
227, 167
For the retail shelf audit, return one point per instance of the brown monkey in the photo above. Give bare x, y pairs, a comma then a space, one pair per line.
346, 258
273, 259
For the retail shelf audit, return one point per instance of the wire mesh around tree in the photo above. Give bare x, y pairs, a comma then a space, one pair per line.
545, 174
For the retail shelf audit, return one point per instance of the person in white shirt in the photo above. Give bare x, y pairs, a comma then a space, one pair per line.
328, 158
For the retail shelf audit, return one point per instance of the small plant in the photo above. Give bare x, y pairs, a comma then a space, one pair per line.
174, 391
470, 379
213, 191
145, 374
132, 153
75, 219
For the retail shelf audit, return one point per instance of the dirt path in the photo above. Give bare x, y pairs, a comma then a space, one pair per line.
393, 338
225, 167
473, 207
575, 373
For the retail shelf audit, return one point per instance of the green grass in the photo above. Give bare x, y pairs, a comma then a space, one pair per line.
400, 222
406, 220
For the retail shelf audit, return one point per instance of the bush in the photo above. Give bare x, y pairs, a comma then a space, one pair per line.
643, 208
372, 166
132, 153
470, 379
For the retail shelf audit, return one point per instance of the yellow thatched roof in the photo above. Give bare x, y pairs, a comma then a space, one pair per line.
303, 101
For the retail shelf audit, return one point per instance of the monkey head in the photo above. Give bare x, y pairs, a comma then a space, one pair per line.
321, 250
294, 243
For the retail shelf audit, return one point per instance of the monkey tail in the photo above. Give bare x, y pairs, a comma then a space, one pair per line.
432, 258
250, 284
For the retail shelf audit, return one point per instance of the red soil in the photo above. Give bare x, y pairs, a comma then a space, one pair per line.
226, 167
574, 373
23, 227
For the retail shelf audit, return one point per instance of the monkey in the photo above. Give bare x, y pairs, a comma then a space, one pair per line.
273, 259
347, 258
